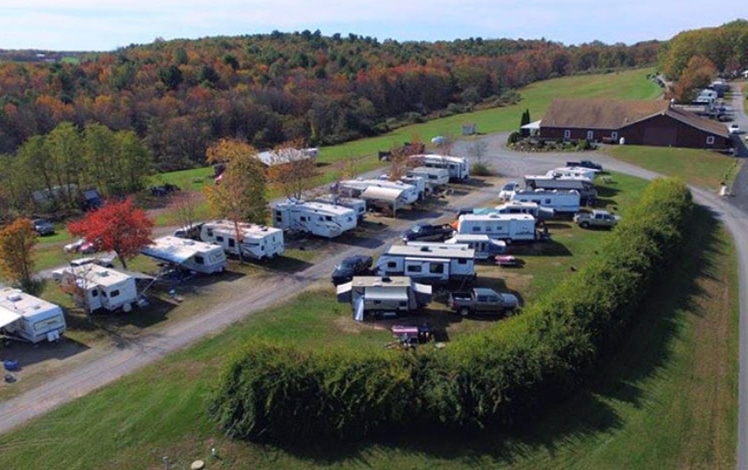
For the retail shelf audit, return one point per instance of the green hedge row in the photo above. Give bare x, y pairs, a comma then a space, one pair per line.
499, 376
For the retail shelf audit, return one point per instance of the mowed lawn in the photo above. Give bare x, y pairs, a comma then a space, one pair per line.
665, 399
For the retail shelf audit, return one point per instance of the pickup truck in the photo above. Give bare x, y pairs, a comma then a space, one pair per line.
596, 218
431, 233
586, 164
482, 300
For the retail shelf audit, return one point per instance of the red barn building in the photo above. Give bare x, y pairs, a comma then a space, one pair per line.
654, 123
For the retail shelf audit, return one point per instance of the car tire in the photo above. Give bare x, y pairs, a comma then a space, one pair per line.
584, 224
464, 311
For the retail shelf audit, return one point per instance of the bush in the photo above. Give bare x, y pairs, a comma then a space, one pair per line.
480, 169
513, 138
496, 377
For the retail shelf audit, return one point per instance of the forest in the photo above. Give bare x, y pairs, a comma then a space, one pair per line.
180, 96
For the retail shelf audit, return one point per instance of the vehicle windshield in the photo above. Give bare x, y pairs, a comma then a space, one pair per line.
416, 229
508, 186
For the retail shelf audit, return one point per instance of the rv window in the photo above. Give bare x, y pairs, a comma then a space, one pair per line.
436, 268
403, 303
488, 229
461, 261
210, 232
278, 218
219, 239
328, 218
199, 259
391, 265
114, 293
232, 243
547, 201
414, 269
476, 229
302, 218
94, 293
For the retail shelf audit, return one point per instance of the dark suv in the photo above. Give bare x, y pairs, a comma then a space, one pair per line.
434, 233
43, 226
351, 266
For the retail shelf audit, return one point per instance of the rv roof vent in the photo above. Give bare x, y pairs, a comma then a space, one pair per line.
102, 273
15, 297
386, 279
36, 306
425, 248
493, 215
188, 242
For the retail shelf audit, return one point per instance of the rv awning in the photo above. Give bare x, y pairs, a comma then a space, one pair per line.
533, 126
170, 254
7, 317
381, 194
387, 293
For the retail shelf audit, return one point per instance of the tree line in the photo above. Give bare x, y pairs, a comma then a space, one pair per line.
181, 96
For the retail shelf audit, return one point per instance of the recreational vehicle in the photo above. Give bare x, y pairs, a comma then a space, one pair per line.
525, 207
257, 241
457, 166
585, 186
573, 171
358, 205
97, 287
316, 218
428, 264
30, 318
483, 245
383, 295
435, 177
507, 227
194, 255
408, 192
562, 202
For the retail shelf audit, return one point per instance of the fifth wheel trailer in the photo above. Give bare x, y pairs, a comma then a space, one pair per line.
257, 241
506, 227
316, 218
30, 318
428, 264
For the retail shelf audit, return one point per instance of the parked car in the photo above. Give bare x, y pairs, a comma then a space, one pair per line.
43, 226
482, 300
596, 218
734, 128
508, 190
424, 232
586, 164
105, 261
356, 265
81, 245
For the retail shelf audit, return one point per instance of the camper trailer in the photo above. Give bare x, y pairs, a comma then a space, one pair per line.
428, 264
562, 202
507, 227
435, 177
358, 205
257, 241
194, 255
383, 295
408, 192
484, 246
522, 207
97, 287
30, 318
316, 218
584, 185
573, 171
457, 166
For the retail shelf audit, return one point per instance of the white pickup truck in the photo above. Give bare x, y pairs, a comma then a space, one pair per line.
596, 218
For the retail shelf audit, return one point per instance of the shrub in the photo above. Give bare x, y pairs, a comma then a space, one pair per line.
495, 377
480, 169
513, 138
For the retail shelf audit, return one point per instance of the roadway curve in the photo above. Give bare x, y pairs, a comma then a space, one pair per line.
104, 369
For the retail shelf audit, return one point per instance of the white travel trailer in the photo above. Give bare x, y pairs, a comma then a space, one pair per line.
525, 207
383, 295
408, 192
457, 166
574, 171
257, 241
428, 264
358, 205
316, 218
585, 186
562, 202
30, 318
435, 177
506, 227
96, 287
483, 245
194, 255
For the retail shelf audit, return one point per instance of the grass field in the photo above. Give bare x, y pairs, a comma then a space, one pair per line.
666, 399
700, 168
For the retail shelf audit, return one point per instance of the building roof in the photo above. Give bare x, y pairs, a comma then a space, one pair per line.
95, 275
177, 250
599, 113
612, 114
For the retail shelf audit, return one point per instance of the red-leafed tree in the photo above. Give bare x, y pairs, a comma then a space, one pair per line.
118, 227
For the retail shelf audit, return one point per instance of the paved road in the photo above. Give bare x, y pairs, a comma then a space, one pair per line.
146, 350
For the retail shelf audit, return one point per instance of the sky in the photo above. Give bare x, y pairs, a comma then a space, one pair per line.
105, 25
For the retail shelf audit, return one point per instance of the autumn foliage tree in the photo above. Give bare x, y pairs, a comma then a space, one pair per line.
699, 73
17, 242
117, 226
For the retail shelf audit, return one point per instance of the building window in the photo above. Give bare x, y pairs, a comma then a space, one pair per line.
710, 140
590, 135
567, 134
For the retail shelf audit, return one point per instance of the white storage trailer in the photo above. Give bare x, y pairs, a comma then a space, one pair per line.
30, 318
194, 255
257, 241
383, 295
96, 287
561, 201
506, 227
428, 264
316, 218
